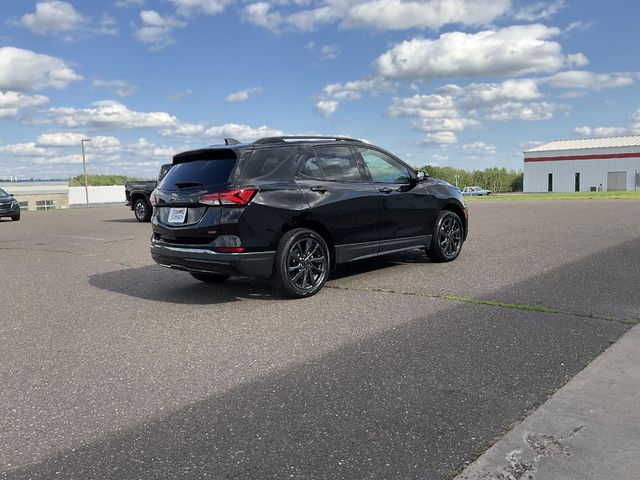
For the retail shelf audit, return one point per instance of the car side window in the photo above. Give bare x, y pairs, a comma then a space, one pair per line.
337, 163
383, 168
310, 167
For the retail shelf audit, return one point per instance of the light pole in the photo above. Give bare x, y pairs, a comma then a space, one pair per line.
84, 167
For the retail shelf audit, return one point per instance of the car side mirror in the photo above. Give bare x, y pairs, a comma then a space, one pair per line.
11, 194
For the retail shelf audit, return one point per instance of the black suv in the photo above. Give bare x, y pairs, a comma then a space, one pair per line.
295, 207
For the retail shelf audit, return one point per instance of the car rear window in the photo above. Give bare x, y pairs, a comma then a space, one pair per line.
198, 173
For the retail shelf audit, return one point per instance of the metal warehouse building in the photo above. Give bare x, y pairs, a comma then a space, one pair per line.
611, 164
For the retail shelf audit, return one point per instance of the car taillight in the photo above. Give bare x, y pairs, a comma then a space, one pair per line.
153, 200
238, 196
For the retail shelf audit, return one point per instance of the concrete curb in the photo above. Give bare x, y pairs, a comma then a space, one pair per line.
589, 429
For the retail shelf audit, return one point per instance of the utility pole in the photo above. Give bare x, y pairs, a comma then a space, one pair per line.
84, 167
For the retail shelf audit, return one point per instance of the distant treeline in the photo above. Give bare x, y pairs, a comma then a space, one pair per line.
101, 180
496, 179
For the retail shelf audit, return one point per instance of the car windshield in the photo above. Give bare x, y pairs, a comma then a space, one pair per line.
3, 193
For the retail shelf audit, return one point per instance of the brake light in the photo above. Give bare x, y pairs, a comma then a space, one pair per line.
238, 197
153, 200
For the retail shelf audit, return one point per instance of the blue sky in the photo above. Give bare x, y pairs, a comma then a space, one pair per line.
468, 83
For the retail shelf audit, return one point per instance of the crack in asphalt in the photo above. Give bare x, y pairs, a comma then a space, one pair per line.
492, 303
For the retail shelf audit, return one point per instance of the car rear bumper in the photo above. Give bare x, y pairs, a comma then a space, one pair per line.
203, 260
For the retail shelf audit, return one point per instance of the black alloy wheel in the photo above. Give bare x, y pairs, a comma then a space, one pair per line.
142, 210
302, 263
447, 238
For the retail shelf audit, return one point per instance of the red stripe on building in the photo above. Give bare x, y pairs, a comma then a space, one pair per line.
601, 156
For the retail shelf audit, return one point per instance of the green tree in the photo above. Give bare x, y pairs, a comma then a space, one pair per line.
101, 180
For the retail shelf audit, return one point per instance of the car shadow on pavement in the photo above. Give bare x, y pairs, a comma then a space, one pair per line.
172, 286
121, 220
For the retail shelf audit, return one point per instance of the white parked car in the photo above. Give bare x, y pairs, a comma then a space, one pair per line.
475, 191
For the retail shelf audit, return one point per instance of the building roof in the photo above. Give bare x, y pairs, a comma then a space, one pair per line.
604, 142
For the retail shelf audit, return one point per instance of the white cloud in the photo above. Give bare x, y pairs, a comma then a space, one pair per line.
540, 10
180, 95
121, 88
241, 132
580, 79
53, 16
60, 139
209, 7
334, 93
404, 14
330, 51
478, 148
454, 108
156, 29
129, 3
326, 107
219, 132
242, 95
424, 106
577, 60
516, 50
632, 128
11, 103
109, 114
524, 111
184, 130
71, 159
60, 18
146, 149
29, 149
478, 95
439, 138
378, 14
23, 70
261, 15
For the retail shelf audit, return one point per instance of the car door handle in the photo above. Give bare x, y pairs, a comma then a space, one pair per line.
319, 188
385, 190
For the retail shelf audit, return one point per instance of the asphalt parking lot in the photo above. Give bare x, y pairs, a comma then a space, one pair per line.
113, 367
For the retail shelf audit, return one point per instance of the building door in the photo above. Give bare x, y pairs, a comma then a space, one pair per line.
616, 181
550, 183
577, 189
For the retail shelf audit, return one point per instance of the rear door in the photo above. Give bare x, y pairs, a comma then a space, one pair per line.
342, 199
176, 198
406, 210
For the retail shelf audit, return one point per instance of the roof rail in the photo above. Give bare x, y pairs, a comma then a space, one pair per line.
302, 138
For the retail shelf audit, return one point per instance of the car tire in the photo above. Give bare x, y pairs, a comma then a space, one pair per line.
15, 218
302, 263
447, 237
210, 277
142, 210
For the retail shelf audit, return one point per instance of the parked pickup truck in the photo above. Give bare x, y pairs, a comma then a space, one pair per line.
475, 191
137, 194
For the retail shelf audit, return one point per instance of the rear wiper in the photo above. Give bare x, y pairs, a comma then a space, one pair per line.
187, 184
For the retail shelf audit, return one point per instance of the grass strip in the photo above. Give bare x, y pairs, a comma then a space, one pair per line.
491, 303
559, 196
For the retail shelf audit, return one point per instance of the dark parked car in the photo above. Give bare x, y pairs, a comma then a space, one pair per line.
137, 195
295, 207
9, 206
